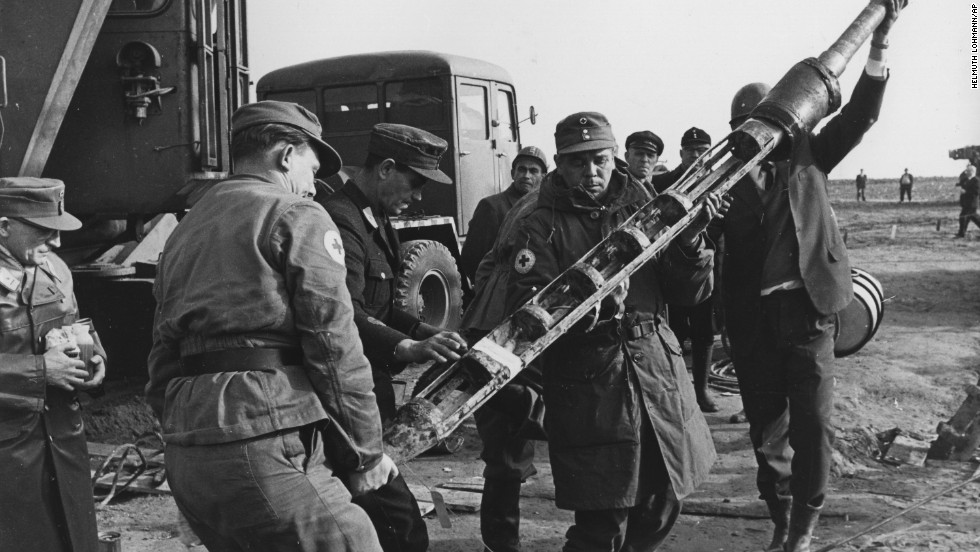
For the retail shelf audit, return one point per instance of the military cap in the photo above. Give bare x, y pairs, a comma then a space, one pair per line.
645, 140
583, 131
421, 151
39, 201
532, 152
292, 115
694, 136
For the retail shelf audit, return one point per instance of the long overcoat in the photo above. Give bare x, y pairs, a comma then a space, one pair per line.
45, 487
603, 387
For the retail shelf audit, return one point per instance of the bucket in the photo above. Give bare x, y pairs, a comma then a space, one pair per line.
859, 320
110, 541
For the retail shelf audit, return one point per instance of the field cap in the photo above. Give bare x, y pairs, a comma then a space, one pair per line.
421, 151
647, 140
694, 136
583, 131
531, 152
39, 201
289, 114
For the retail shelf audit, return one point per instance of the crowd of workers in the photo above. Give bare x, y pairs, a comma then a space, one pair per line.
275, 339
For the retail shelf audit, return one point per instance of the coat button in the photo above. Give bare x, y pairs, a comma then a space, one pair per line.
73, 405
594, 215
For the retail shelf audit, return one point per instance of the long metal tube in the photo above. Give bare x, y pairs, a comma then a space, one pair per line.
843, 49
496, 359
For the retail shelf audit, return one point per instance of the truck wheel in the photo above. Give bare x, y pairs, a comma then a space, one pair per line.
429, 285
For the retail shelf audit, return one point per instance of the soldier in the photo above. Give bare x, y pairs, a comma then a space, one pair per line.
626, 440
694, 143
786, 275
861, 182
643, 150
46, 491
527, 170
905, 186
969, 200
400, 160
697, 322
510, 422
256, 371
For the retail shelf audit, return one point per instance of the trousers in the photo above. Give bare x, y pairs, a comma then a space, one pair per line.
274, 492
786, 381
640, 528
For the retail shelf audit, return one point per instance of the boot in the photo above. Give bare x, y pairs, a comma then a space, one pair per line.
779, 514
802, 522
700, 365
500, 515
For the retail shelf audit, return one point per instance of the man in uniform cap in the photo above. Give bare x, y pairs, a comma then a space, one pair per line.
510, 421
786, 276
694, 143
45, 492
643, 150
400, 161
624, 471
527, 170
256, 371
697, 322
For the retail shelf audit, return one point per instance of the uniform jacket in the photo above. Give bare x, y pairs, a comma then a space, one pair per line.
486, 221
488, 307
37, 420
665, 180
823, 261
373, 260
252, 265
600, 386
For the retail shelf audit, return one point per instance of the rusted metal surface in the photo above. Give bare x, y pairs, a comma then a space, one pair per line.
794, 106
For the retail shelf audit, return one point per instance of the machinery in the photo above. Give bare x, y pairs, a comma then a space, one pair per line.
804, 96
970, 153
129, 102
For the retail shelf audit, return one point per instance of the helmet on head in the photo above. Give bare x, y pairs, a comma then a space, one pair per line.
745, 101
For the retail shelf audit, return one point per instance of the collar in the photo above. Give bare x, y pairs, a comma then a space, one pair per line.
373, 219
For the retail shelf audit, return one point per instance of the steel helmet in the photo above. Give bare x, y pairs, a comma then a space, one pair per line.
746, 99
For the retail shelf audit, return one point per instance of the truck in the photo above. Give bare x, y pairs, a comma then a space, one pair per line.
129, 102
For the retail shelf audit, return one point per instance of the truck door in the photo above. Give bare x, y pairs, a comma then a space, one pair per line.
477, 160
504, 124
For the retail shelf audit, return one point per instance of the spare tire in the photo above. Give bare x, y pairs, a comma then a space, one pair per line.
429, 285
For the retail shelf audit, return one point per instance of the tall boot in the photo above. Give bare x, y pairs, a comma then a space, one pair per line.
779, 514
802, 522
500, 515
701, 351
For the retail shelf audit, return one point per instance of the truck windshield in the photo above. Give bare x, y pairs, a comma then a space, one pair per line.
417, 102
350, 108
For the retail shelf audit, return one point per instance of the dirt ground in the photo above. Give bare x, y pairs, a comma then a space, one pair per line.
910, 376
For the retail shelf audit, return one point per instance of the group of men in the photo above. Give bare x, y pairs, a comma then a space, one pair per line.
275, 339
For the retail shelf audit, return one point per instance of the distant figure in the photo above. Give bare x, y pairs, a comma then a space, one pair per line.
861, 181
905, 186
969, 200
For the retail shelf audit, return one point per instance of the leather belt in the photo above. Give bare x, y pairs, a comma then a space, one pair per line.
640, 329
239, 360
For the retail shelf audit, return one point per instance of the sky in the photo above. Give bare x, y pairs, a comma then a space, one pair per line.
661, 65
